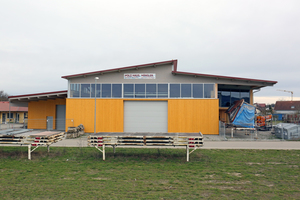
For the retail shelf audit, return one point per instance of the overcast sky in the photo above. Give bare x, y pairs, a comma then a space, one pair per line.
40, 41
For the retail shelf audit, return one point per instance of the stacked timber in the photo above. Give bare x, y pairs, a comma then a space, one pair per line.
11, 136
191, 140
45, 138
75, 132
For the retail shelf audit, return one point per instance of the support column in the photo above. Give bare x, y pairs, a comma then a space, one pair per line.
103, 151
187, 153
29, 152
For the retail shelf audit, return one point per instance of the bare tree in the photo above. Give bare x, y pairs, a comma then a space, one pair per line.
3, 96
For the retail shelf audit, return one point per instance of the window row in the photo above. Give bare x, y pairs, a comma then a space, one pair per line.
142, 90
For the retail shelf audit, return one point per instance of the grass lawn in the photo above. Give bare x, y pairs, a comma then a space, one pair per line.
80, 173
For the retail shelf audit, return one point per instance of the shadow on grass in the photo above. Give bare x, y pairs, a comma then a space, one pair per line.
88, 153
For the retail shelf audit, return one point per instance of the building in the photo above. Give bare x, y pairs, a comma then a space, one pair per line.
153, 97
287, 107
13, 114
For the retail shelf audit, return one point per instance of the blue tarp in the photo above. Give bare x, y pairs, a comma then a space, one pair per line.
245, 116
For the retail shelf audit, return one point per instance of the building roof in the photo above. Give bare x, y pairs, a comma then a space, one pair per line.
4, 107
38, 96
287, 105
173, 62
257, 83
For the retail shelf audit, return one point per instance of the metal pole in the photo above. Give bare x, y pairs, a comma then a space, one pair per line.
96, 78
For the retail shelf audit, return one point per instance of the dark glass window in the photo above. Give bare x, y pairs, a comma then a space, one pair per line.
162, 90
198, 90
139, 90
174, 90
224, 98
106, 90
117, 90
86, 90
209, 91
150, 90
186, 90
245, 95
235, 96
128, 91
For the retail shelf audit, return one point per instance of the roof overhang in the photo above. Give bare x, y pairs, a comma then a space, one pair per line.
155, 64
38, 96
254, 83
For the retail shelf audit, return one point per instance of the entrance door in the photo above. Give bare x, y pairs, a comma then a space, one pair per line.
146, 116
3, 118
49, 123
17, 117
60, 117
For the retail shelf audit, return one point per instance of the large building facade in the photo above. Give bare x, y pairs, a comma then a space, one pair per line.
153, 97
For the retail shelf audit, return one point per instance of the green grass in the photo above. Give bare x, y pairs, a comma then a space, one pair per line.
80, 173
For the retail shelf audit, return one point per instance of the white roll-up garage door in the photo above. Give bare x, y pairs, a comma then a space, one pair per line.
146, 116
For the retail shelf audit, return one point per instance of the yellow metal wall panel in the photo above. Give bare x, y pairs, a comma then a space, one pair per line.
109, 114
39, 110
193, 115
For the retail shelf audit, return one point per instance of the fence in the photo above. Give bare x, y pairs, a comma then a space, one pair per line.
45, 124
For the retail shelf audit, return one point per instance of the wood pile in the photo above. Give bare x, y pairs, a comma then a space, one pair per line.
25, 136
44, 138
75, 132
191, 140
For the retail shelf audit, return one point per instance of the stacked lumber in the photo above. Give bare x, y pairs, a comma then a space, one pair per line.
191, 140
45, 138
11, 136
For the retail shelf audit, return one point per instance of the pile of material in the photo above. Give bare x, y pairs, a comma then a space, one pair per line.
11, 136
75, 132
26, 136
44, 138
191, 140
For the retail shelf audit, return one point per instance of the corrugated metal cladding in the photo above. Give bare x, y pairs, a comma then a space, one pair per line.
146, 116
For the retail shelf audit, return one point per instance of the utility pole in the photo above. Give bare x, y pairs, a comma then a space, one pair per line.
289, 92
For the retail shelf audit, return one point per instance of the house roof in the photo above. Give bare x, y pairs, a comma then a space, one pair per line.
287, 105
4, 107
38, 96
256, 83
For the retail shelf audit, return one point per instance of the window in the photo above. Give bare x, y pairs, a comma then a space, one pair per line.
139, 90
11, 115
162, 91
174, 90
150, 90
106, 90
116, 90
75, 88
209, 91
186, 90
98, 91
198, 90
128, 91
228, 96
86, 90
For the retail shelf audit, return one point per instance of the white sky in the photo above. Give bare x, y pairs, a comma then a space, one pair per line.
40, 41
